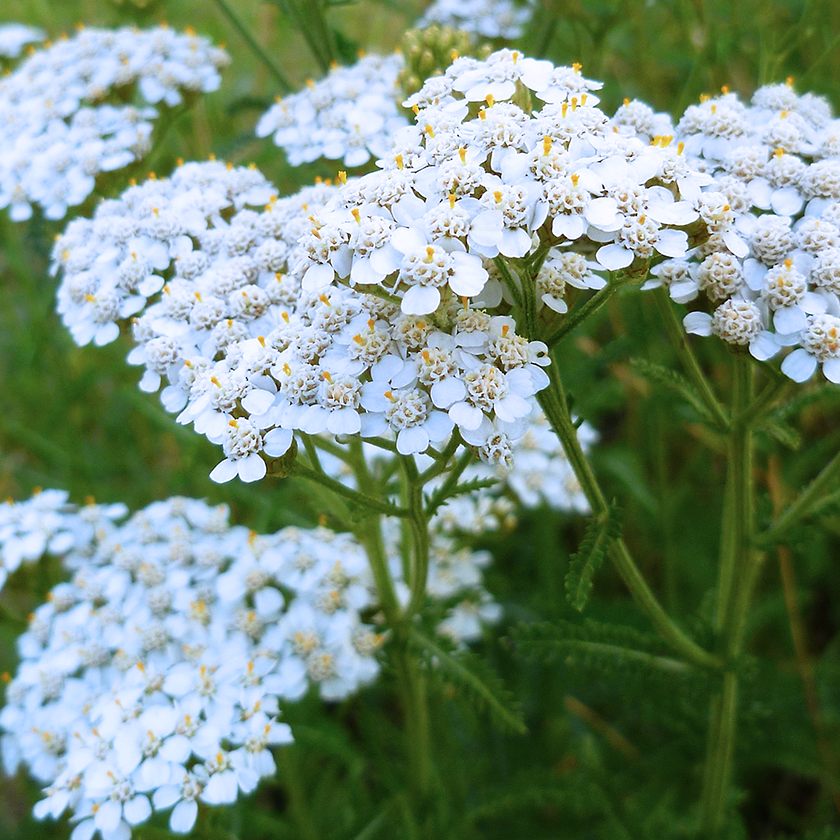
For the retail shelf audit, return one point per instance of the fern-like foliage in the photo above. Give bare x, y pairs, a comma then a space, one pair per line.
674, 381
444, 494
600, 535
478, 682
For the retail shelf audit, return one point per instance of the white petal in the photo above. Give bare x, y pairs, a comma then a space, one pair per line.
410, 441
223, 471
137, 810
672, 243
764, 346
251, 468
831, 370
789, 319
799, 365
257, 402
614, 257
420, 300
183, 817
698, 323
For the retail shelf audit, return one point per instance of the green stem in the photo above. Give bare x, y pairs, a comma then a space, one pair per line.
804, 504
358, 498
738, 568
580, 313
510, 282
258, 51
442, 493
553, 402
409, 679
679, 339
413, 501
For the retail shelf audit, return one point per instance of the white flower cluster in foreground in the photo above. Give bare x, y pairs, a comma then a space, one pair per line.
254, 358
63, 112
349, 115
774, 280
153, 679
15, 36
482, 18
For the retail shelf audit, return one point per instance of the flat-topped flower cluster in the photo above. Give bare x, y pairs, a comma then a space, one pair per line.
66, 112
154, 677
774, 280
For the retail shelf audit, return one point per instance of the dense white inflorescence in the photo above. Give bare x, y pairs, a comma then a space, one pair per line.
774, 278
481, 18
349, 115
15, 36
66, 117
154, 677
362, 309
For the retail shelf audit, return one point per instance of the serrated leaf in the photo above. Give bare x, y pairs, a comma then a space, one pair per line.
611, 643
479, 682
674, 381
600, 535
472, 486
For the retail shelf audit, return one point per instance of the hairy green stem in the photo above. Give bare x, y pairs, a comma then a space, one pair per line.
409, 679
258, 51
679, 339
413, 502
552, 400
737, 574
361, 499
580, 313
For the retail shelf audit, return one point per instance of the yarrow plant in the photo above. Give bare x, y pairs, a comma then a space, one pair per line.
393, 342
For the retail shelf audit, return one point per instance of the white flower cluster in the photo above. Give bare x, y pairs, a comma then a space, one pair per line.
63, 112
481, 18
478, 176
774, 279
153, 678
252, 358
47, 524
15, 36
114, 262
349, 115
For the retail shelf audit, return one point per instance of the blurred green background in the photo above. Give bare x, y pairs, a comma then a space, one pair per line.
614, 750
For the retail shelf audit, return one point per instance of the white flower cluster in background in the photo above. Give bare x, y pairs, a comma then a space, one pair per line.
349, 115
481, 18
64, 117
15, 36
541, 472
164, 228
153, 678
774, 279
